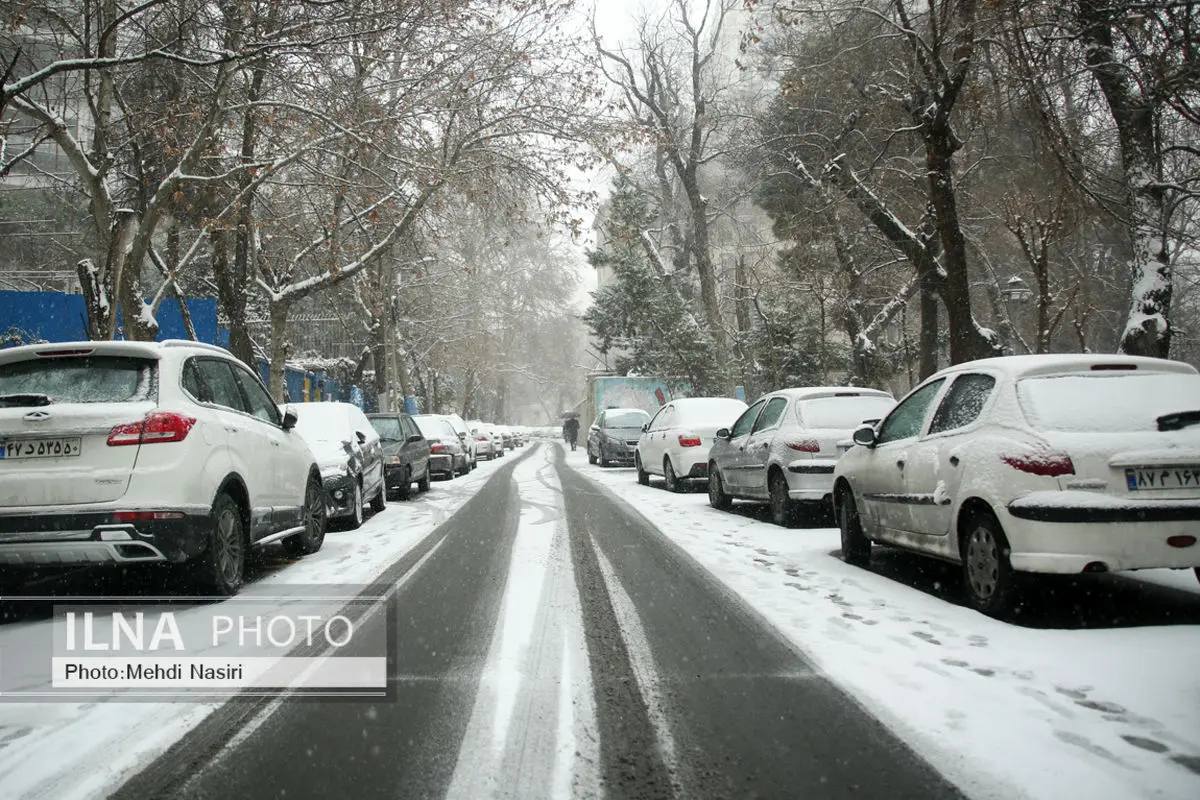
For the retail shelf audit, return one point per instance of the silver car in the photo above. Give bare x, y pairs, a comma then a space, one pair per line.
447, 456
783, 449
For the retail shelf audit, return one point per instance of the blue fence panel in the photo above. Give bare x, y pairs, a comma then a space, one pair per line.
58, 317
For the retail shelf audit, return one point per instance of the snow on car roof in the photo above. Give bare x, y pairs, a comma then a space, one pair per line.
1051, 363
808, 392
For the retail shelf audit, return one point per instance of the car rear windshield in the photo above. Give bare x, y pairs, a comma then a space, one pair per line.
78, 379
1107, 401
842, 412
626, 419
719, 412
388, 428
431, 427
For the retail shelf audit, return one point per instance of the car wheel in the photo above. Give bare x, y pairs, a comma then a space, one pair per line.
988, 576
603, 461
856, 547
223, 568
423, 484
1197, 571
315, 522
672, 480
643, 476
716, 491
356, 507
784, 512
591, 458
404, 490
379, 501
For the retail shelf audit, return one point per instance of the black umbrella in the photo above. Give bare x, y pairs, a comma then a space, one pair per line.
569, 414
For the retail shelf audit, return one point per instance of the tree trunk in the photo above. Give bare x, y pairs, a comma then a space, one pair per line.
927, 344
1147, 329
279, 349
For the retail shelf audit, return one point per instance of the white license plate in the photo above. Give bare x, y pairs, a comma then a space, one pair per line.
1140, 480
39, 448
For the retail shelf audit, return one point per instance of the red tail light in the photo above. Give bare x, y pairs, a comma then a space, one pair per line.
1047, 465
687, 440
146, 516
437, 448
158, 426
481, 438
806, 446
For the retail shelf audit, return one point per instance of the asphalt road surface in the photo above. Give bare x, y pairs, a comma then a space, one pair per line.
551, 643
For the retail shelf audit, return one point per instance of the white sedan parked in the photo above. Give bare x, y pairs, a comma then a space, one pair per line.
676, 441
1047, 463
782, 450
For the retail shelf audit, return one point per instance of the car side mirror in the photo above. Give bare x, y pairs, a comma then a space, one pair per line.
462, 436
362, 437
289, 419
865, 436
646, 427
416, 437
723, 433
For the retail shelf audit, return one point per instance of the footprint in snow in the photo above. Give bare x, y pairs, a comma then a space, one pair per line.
975, 640
768, 553
764, 562
1188, 762
1145, 744
1075, 694
800, 587
926, 637
1102, 706
1087, 744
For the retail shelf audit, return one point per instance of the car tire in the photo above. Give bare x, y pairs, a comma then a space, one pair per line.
604, 462
989, 581
316, 521
784, 511
643, 476
672, 480
716, 491
1197, 571
591, 458
404, 490
423, 484
222, 568
357, 516
379, 501
856, 547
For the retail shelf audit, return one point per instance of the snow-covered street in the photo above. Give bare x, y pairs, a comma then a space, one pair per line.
523, 685
1004, 710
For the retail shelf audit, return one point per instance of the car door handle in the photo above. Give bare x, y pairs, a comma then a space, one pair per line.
764, 445
954, 461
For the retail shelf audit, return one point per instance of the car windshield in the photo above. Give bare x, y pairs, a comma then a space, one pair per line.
76, 379
626, 419
1116, 402
387, 428
842, 412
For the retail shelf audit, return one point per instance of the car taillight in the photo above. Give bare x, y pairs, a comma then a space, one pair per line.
688, 440
806, 446
437, 448
158, 426
1047, 465
481, 438
146, 516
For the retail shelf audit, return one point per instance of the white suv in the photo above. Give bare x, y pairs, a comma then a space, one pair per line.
140, 452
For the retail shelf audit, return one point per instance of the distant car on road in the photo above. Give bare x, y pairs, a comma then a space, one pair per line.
350, 454
614, 435
464, 436
485, 444
405, 453
783, 449
1040, 464
678, 438
127, 453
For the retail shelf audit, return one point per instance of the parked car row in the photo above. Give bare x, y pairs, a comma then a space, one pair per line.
1025, 464
132, 453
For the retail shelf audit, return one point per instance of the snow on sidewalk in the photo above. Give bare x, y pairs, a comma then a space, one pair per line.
1002, 710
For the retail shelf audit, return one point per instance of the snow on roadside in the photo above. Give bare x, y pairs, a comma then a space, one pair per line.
82, 750
1002, 710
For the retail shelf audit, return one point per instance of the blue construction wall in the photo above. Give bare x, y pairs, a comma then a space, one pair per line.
58, 317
